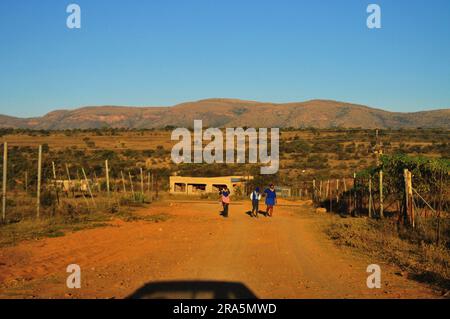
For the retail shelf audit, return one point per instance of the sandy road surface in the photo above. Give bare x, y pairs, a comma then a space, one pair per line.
286, 256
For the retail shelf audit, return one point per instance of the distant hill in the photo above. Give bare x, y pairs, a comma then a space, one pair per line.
233, 113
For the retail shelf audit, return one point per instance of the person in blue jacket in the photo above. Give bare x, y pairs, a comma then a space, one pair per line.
271, 199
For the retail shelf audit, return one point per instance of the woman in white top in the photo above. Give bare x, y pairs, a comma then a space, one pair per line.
255, 196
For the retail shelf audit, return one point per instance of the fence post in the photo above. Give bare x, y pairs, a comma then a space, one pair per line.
70, 182
370, 196
337, 190
26, 182
438, 228
38, 191
153, 186
149, 186
107, 176
314, 192
330, 196
410, 192
142, 181
131, 183
156, 186
320, 191
409, 205
99, 188
123, 183
355, 194
82, 193
89, 187
406, 200
381, 195
5, 178
54, 182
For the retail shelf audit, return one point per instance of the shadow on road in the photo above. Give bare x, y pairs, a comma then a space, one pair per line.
193, 290
260, 212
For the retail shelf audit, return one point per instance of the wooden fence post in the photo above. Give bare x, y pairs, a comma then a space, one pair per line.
381, 195
153, 186
370, 196
123, 183
99, 188
142, 181
320, 191
330, 195
55, 186
149, 186
38, 191
88, 186
82, 193
26, 182
439, 209
410, 190
314, 192
5, 178
337, 190
156, 186
70, 182
107, 176
131, 183
142, 184
409, 204
355, 195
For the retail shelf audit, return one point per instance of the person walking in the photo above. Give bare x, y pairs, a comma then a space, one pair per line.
225, 198
271, 199
255, 196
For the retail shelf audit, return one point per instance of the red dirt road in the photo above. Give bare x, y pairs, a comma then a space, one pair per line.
286, 256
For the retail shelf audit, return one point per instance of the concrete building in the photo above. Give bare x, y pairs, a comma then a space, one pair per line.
283, 191
72, 185
202, 185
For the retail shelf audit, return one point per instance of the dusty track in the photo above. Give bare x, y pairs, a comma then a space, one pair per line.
286, 256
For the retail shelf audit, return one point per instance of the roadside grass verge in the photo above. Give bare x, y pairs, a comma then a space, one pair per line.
69, 216
414, 251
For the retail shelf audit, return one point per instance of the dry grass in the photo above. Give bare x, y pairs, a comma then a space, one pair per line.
72, 214
421, 258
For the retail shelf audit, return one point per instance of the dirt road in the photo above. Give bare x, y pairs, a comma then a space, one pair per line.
286, 256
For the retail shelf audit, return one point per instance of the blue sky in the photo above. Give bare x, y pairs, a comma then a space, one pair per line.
162, 52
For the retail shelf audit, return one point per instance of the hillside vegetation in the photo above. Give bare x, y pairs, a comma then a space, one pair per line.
233, 113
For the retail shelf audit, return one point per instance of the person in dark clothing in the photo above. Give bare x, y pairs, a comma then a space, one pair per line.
255, 196
225, 198
271, 199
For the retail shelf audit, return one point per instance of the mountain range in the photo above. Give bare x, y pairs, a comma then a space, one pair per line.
233, 113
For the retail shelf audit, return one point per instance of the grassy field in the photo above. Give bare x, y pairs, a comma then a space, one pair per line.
414, 251
71, 214
304, 154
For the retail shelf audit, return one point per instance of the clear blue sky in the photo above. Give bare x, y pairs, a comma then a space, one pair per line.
161, 52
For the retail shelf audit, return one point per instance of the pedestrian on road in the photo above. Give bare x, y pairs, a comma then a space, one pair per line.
255, 196
271, 199
225, 198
